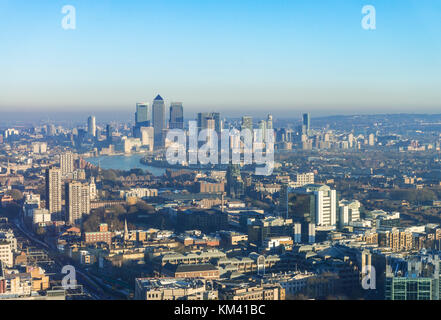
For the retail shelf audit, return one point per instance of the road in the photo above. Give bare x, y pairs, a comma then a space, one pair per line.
95, 290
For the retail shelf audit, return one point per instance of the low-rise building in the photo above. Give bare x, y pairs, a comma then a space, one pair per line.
189, 271
6, 255
173, 289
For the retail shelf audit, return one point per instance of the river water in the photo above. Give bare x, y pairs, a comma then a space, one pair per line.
124, 163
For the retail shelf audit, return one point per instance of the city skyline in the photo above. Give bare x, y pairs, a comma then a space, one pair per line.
278, 55
339, 194
238, 152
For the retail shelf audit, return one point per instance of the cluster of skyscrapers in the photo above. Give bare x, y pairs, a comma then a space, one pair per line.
78, 194
154, 116
152, 122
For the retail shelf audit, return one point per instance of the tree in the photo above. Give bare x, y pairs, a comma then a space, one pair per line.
17, 195
109, 175
298, 296
118, 209
137, 172
413, 196
112, 216
40, 231
144, 207
11, 211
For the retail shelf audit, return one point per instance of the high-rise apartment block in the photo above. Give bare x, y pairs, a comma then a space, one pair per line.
53, 190
67, 163
77, 201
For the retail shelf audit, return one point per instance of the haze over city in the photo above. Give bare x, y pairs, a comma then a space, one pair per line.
233, 151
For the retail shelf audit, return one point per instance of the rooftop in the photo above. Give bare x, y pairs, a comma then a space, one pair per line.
191, 267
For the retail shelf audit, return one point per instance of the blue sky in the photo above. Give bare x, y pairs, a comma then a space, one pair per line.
226, 55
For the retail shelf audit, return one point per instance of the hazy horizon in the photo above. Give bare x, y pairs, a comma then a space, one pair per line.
103, 117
